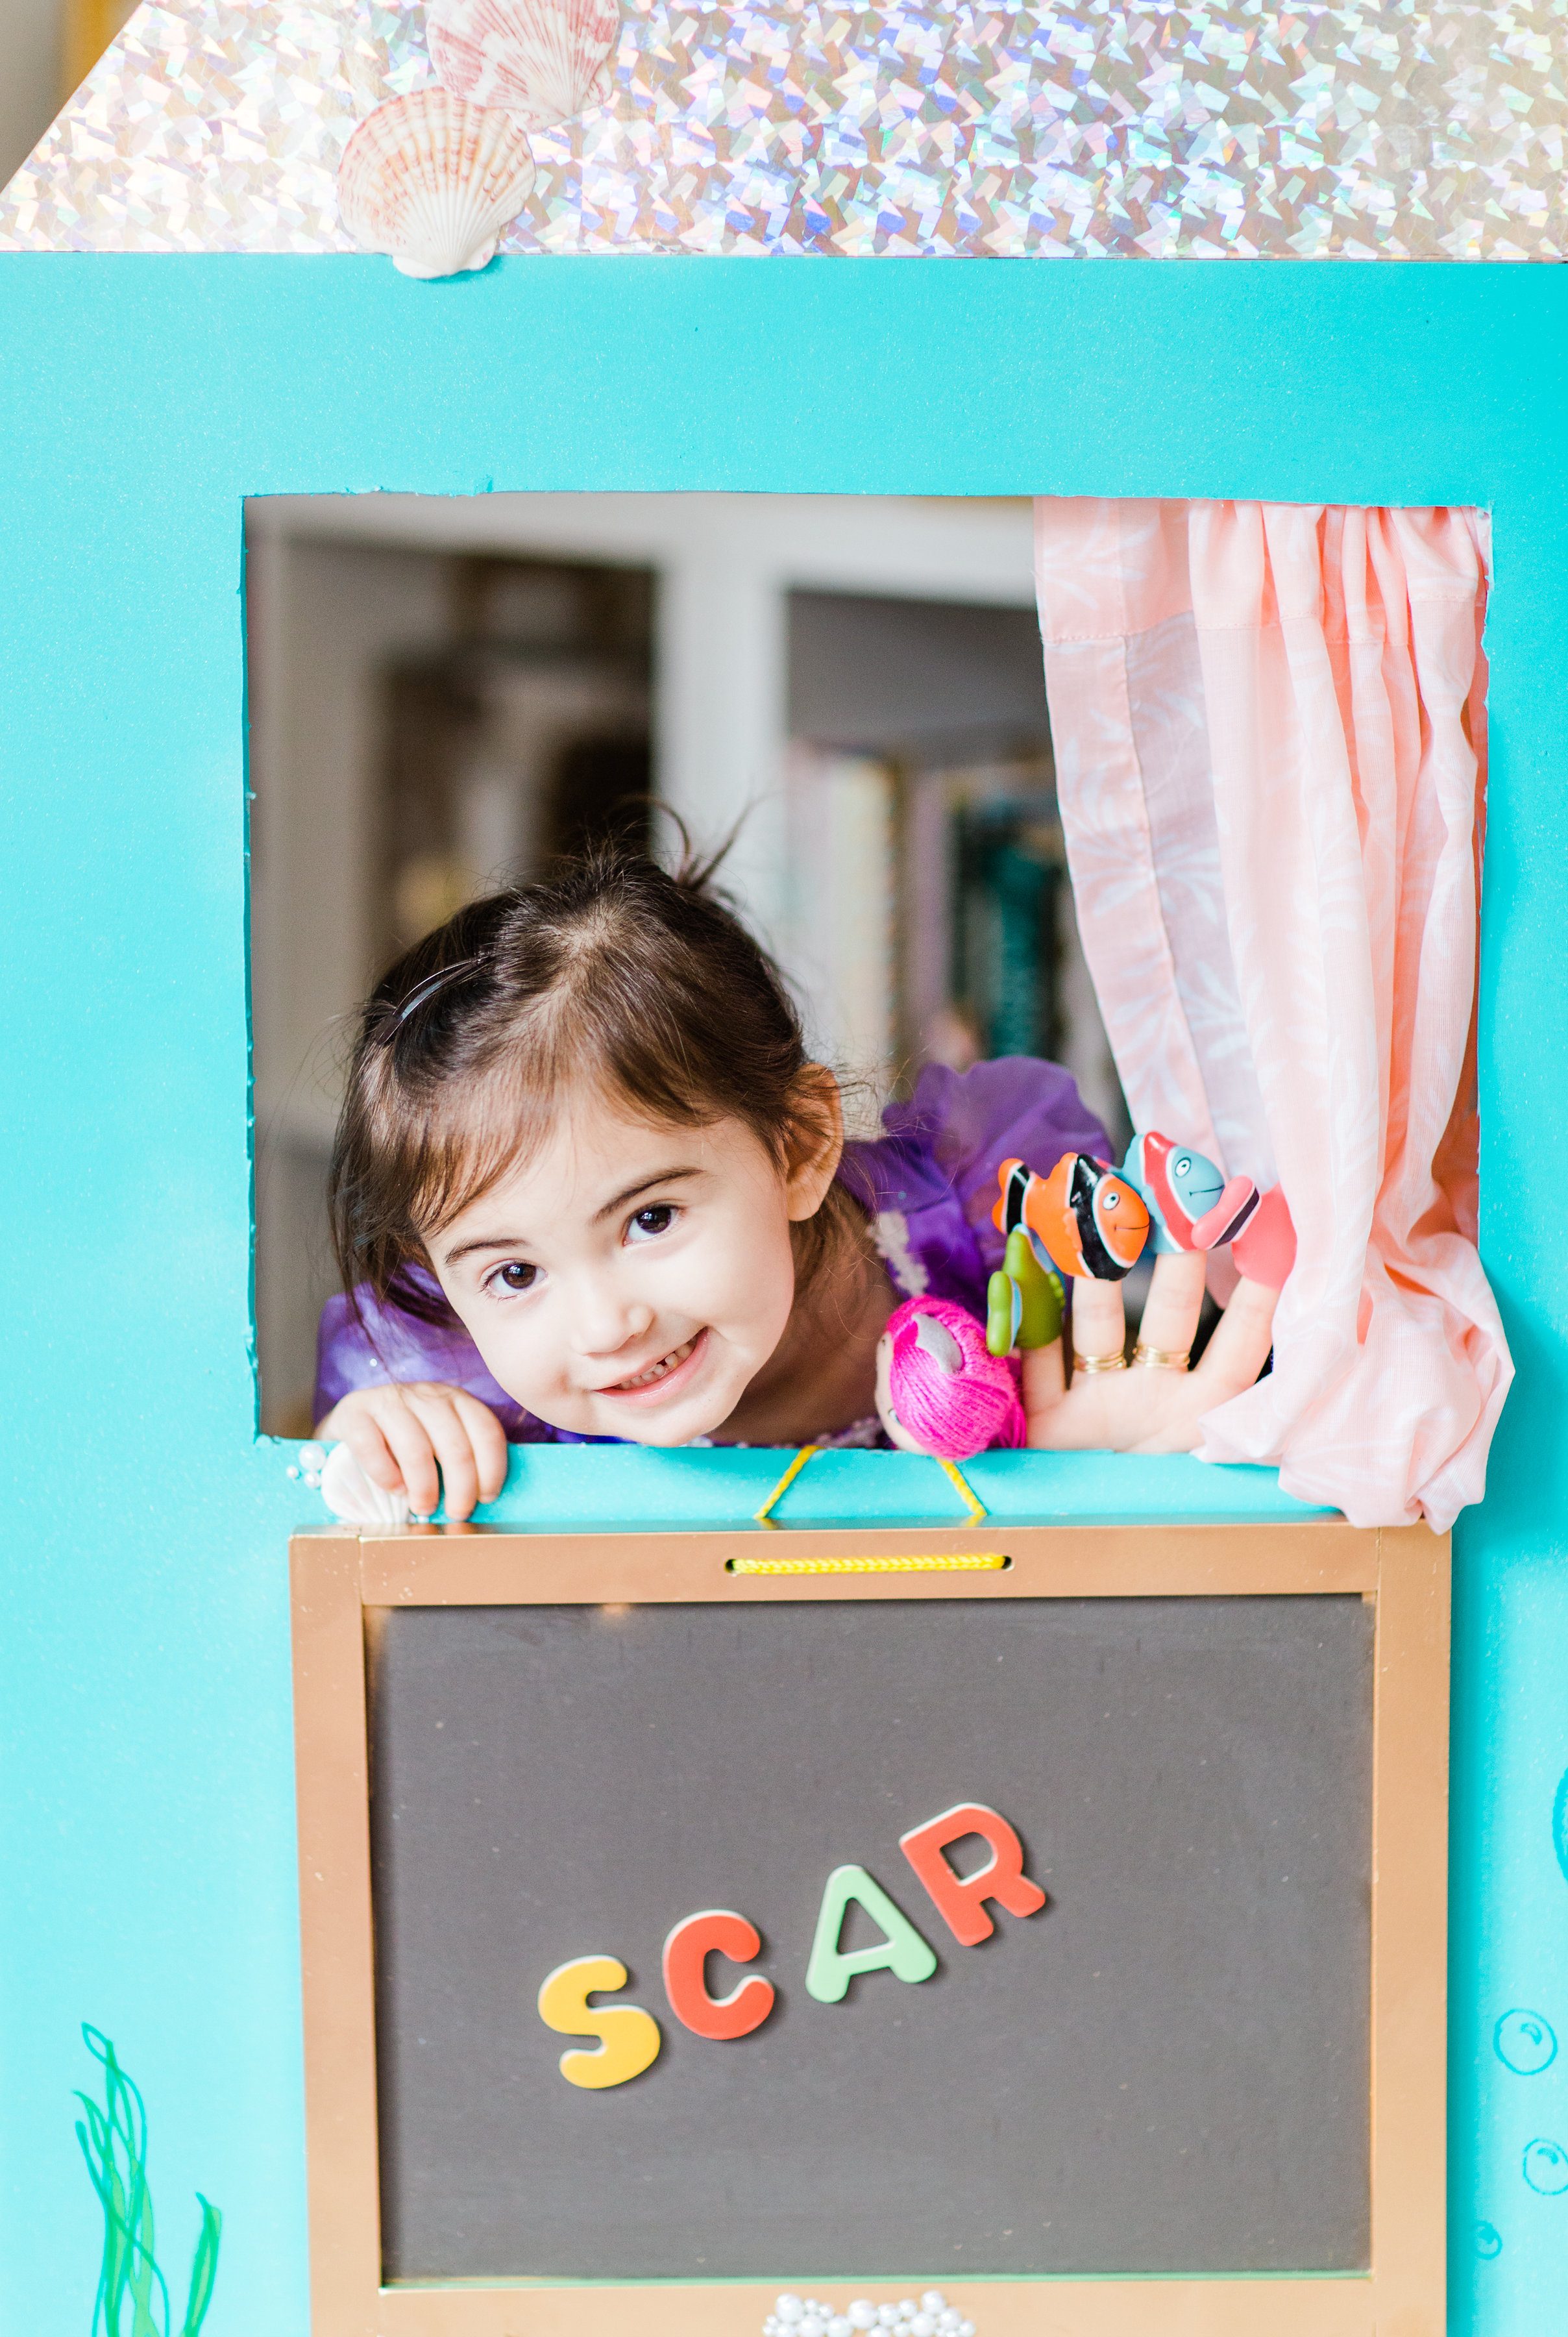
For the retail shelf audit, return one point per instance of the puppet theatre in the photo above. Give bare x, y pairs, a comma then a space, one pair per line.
712, 1890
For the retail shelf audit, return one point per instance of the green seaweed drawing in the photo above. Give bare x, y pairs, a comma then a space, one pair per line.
113, 2141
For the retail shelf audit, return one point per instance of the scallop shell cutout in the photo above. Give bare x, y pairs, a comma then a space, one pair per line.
542, 60
434, 181
353, 1498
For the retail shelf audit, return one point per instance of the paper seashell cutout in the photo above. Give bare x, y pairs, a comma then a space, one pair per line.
434, 181
351, 1496
542, 60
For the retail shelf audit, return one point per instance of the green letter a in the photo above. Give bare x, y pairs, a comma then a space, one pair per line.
904, 1951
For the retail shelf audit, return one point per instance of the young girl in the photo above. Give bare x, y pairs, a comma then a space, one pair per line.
587, 1185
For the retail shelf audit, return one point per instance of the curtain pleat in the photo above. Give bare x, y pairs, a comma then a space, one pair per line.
1269, 737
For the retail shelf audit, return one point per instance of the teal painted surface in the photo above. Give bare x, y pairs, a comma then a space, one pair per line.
148, 1842
631, 1484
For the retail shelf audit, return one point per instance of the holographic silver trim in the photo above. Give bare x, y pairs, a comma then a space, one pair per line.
1350, 132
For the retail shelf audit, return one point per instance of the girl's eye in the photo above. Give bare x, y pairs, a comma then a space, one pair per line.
514, 1276
647, 1224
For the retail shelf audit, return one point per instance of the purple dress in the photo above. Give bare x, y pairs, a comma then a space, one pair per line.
928, 1186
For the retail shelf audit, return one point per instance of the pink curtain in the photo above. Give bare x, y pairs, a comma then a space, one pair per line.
1270, 756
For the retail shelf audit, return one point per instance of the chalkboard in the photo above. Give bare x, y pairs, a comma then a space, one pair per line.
1165, 2069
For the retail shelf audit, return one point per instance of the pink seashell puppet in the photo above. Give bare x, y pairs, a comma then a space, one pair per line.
434, 181
542, 60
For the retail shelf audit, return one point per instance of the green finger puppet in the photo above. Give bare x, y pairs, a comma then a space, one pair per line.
1024, 1301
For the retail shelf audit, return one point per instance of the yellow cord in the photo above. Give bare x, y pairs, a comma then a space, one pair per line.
942, 1564
965, 1491
787, 1479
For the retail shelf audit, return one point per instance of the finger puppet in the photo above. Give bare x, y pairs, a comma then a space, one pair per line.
1091, 1222
1024, 1300
1096, 1221
1265, 1251
1191, 1205
940, 1389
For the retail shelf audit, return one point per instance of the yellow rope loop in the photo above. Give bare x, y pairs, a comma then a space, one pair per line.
913, 1562
784, 1482
966, 1493
961, 1484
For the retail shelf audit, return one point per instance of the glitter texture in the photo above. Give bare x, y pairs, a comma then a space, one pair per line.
1352, 132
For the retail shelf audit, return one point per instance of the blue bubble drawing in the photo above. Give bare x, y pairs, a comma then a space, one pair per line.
1560, 1823
1524, 2043
1488, 2241
1546, 2167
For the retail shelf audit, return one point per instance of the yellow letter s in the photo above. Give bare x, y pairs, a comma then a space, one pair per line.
629, 2038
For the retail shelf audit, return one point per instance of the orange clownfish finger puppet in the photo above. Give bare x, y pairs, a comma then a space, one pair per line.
1086, 1219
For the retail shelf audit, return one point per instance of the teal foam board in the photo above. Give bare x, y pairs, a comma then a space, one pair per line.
146, 1823
548, 1487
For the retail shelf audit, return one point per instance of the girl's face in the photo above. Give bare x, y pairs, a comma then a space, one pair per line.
632, 1279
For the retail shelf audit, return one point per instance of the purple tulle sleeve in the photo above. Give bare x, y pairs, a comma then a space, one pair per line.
931, 1182
928, 1185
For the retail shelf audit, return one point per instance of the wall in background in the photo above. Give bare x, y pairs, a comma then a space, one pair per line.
31, 51
47, 49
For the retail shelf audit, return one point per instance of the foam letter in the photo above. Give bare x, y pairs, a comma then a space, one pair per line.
902, 1951
715, 1932
629, 2038
960, 1897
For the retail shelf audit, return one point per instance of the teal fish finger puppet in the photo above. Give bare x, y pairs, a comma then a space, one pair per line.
1191, 1205
1023, 1300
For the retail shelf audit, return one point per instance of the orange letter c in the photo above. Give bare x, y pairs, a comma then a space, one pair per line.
715, 1931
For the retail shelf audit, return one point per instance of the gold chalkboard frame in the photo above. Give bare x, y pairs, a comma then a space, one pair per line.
343, 1579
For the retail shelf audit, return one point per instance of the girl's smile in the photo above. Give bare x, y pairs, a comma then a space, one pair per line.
660, 1377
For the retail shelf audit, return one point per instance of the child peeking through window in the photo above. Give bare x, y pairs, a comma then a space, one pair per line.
588, 1185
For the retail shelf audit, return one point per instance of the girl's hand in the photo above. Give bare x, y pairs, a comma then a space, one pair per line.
401, 1435
1143, 1409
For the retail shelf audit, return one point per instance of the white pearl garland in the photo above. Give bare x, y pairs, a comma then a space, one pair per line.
812, 2316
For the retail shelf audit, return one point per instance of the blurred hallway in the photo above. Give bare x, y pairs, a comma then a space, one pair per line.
47, 49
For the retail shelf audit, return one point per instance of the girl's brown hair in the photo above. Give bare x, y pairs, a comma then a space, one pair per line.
614, 972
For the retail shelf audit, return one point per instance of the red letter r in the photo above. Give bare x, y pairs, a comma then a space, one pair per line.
959, 1898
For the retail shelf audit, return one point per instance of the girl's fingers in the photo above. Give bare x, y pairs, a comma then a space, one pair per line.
1174, 1302
400, 1434
1242, 1337
449, 1435
488, 1438
413, 1451
369, 1447
1044, 1381
1099, 1320
1096, 1415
